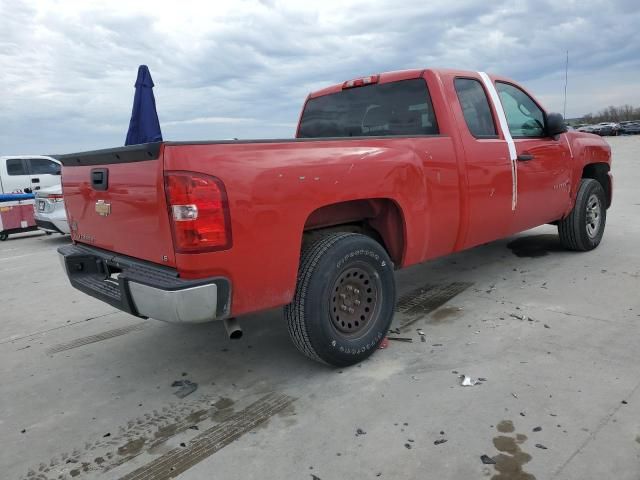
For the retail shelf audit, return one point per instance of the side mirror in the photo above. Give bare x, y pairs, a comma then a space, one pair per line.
555, 124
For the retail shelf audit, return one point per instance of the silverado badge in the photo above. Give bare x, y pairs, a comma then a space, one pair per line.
103, 208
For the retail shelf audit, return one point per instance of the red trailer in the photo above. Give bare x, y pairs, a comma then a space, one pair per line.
16, 214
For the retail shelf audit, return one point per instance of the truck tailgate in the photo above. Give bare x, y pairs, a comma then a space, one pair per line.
115, 201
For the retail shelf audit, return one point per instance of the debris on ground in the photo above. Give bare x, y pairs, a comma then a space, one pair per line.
546, 326
539, 445
522, 414
24, 430
187, 387
423, 336
520, 317
467, 381
383, 344
514, 395
401, 339
434, 344
359, 431
108, 434
487, 460
395, 331
194, 427
624, 402
407, 446
537, 429
413, 377
440, 441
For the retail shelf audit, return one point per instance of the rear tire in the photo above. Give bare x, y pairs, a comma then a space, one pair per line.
583, 228
344, 299
3, 236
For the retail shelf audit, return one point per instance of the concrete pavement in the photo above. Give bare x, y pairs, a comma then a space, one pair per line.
87, 390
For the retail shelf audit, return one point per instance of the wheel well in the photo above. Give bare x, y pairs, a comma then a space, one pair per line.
599, 172
378, 218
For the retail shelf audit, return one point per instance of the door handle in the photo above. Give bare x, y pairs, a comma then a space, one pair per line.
35, 180
525, 157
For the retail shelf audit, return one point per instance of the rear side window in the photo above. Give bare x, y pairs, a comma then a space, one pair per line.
396, 108
15, 166
475, 107
42, 166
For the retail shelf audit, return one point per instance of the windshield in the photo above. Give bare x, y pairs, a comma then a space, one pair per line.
396, 108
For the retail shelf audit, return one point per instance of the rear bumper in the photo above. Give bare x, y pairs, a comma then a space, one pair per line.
143, 288
48, 226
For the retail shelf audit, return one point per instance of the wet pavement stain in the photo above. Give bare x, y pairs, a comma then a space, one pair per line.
535, 246
148, 432
505, 426
222, 415
509, 463
166, 431
445, 313
223, 403
132, 447
198, 416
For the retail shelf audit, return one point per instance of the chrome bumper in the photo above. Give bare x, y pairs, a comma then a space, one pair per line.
145, 289
188, 305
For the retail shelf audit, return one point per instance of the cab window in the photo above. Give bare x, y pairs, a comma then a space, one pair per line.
475, 108
524, 117
43, 166
396, 108
15, 166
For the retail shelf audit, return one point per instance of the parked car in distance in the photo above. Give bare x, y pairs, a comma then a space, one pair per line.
630, 128
49, 211
28, 173
385, 172
607, 128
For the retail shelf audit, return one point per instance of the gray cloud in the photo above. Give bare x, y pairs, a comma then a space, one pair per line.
243, 70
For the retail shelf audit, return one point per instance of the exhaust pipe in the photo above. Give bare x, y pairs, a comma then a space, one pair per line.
233, 328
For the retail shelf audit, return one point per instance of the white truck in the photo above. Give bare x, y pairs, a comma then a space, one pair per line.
28, 173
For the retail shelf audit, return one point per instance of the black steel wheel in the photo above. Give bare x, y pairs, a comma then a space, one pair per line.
344, 300
583, 228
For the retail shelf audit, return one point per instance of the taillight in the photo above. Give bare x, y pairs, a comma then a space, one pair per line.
198, 211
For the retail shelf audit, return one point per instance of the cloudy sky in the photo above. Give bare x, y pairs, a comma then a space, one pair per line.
242, 68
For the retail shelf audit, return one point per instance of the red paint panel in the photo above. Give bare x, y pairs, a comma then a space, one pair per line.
138, 222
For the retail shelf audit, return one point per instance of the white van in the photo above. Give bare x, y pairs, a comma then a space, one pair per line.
22, 173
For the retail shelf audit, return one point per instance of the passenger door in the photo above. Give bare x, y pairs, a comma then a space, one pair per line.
44, 173
487, 166
542, 167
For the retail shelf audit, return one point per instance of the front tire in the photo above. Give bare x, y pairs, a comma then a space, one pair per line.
344, 299
583, 228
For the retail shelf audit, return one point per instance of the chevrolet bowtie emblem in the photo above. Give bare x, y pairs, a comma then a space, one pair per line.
103, 208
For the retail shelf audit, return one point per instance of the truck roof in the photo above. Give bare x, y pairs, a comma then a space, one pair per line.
393, 76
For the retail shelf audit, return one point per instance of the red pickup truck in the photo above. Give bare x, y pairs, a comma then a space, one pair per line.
385, 171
